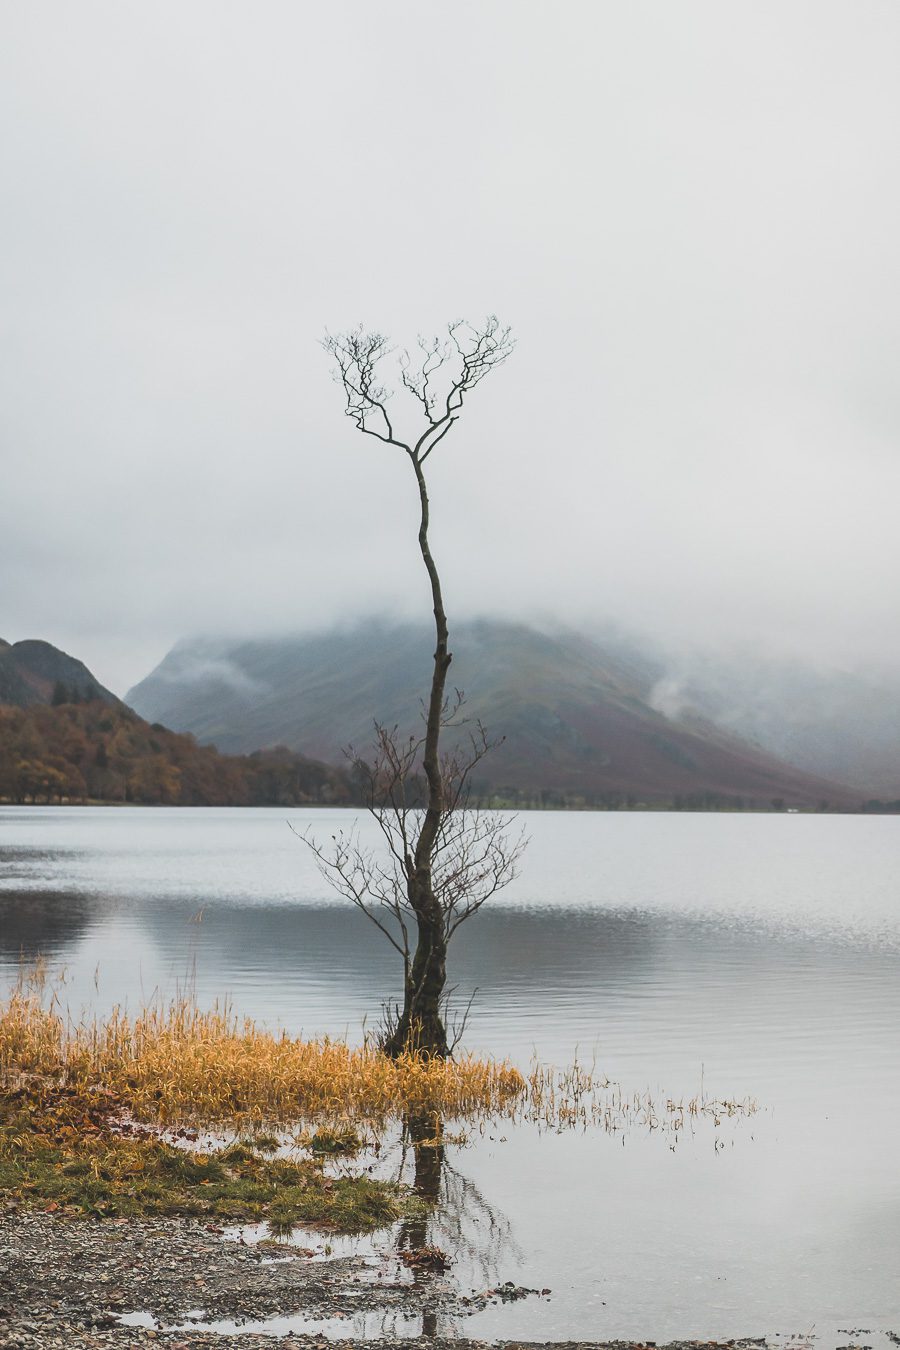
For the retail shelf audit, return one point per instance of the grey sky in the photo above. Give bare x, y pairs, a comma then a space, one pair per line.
689, 212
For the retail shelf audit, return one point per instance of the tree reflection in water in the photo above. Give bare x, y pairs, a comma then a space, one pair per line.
455, 1217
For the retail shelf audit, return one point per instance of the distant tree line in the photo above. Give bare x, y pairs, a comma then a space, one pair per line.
559, 799
81, 750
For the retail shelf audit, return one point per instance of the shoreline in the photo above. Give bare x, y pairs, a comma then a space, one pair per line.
65, 1282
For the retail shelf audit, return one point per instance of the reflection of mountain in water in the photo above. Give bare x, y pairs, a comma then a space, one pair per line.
44, 923
326, 969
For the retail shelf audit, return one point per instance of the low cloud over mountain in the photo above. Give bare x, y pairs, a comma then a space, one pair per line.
576, 716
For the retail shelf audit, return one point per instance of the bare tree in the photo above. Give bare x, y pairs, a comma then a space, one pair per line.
442, 858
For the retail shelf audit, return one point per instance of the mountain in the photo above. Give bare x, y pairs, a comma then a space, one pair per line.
35, 672
838, 724
64, 737
576, 715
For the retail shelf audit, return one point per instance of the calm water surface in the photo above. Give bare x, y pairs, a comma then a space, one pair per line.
759, 952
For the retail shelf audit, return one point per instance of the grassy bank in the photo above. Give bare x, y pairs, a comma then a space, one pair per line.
65, 1151
98, 1116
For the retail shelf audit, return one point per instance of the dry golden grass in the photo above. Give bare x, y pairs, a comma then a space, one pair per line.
177, 1064
79, 1105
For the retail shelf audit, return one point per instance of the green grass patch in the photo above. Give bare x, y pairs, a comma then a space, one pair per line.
58, 1152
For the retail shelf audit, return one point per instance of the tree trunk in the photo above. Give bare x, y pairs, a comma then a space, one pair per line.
421, 1028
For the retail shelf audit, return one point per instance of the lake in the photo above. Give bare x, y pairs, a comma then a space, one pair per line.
757, 954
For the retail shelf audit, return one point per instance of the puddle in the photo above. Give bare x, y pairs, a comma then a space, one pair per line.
312, 1243
138, 1319
384, 1324
362, 1325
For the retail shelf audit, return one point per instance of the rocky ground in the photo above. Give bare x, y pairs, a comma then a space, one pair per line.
66, 1283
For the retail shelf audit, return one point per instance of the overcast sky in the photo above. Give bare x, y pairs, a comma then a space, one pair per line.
689, 212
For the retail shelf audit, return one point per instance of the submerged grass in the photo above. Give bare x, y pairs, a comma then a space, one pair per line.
576, 1097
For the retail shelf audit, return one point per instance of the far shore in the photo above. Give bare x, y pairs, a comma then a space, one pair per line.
870, 808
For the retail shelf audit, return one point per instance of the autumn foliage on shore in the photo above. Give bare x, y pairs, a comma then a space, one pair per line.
97, 751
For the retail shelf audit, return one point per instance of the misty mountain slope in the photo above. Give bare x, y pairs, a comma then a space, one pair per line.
837, 724
575, 714
31, 670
